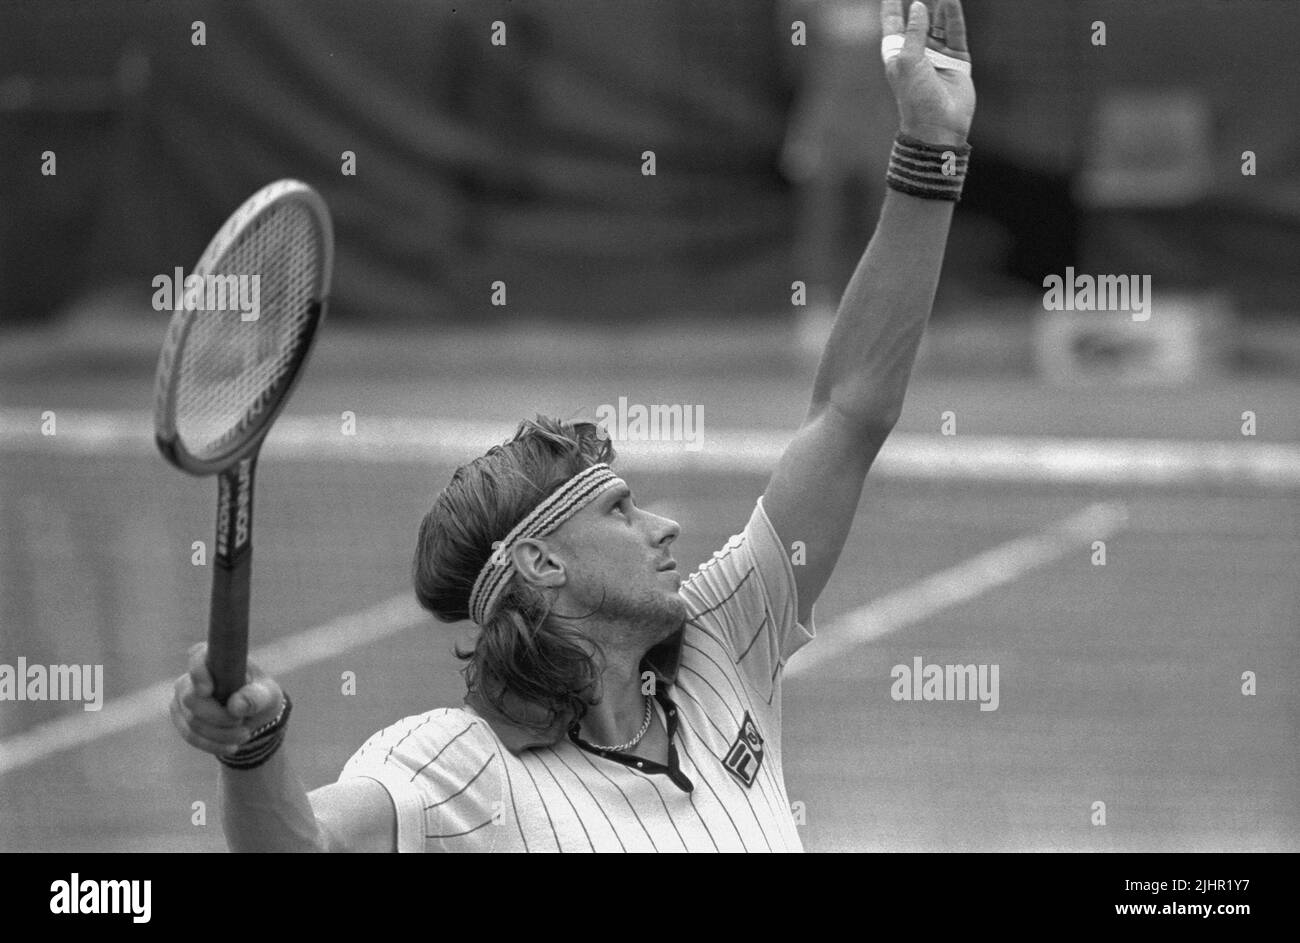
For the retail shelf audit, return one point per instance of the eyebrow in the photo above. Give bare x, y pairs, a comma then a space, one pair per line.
617, 494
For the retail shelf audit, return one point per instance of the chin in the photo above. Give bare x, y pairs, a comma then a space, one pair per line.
676, 607
654, 612
666, 614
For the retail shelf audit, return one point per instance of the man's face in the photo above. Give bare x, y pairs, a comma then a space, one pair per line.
619, 567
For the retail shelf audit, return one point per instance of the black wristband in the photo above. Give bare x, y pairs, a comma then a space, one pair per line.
928, 171
261, 746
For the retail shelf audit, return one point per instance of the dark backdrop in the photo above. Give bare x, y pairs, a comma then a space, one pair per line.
522, 163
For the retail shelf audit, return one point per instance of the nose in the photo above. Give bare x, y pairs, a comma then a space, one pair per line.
664, 530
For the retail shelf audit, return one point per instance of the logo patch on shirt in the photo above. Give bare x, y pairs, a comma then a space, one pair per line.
746, 754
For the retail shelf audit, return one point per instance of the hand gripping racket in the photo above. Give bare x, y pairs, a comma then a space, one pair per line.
224, 375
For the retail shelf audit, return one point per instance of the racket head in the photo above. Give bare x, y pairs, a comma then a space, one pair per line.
223, 377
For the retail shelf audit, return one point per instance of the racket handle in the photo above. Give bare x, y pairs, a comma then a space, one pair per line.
231, 571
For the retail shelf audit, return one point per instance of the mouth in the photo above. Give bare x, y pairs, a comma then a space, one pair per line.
667, 566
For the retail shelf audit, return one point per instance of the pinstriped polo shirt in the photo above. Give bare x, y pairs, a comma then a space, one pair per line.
462, 779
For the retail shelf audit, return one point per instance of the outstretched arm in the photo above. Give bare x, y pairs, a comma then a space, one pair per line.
266, 808
862, 378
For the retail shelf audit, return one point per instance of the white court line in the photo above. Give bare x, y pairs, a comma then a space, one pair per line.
300, 650
965, 581
913, 604
911, 456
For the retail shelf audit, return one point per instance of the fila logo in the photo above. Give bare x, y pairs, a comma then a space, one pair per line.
746, 754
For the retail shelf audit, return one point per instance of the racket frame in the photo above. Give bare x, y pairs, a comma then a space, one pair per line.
166, 433
236, 467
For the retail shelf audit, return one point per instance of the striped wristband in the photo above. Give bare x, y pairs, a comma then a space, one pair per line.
265, 740
928, 171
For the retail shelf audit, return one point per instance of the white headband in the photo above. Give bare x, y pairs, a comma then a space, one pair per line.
567, 500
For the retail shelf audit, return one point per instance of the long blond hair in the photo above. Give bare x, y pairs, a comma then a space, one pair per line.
525, 652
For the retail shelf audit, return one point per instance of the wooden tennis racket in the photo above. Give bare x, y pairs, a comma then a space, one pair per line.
223, 377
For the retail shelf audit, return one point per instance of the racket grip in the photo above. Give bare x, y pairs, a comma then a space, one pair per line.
228, 627
231, 572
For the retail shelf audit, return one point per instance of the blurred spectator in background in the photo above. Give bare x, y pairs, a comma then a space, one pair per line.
837, 145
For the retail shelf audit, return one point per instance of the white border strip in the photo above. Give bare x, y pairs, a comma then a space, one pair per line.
300, 650
967, 580
400, 440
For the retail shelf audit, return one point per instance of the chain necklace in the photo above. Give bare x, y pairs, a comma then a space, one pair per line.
645, 726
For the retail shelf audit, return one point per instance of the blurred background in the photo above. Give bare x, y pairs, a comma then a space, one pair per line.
1154, 139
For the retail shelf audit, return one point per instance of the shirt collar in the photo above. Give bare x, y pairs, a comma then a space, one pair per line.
663, 660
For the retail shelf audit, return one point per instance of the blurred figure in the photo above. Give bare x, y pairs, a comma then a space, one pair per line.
839, 136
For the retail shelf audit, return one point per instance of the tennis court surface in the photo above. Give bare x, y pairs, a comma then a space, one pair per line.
1119, 684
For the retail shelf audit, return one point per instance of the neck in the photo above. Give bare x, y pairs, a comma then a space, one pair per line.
619, 713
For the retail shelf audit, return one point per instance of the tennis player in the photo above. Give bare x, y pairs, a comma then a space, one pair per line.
613, 705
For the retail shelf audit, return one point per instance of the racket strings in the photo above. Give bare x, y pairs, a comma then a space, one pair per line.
233, 368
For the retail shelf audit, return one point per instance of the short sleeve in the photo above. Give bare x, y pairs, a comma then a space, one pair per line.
443, 772
746, 594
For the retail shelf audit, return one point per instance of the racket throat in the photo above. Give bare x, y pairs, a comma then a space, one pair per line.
231, 578
235, 511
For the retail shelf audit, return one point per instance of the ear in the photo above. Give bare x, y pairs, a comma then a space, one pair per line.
537, 564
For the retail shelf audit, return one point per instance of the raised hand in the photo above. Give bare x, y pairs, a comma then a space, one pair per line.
935, 104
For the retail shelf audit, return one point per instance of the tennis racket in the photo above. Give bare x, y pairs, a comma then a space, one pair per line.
224, 376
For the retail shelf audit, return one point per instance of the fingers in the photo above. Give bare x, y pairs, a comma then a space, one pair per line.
950, 18
918, 26
902, 44
891, 17
208, 725
198, 669
218, 736
205, 707
204, 736
259, 696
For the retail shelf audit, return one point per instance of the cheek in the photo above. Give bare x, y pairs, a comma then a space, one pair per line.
615, 562
609, 551
600, 555
615, 542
